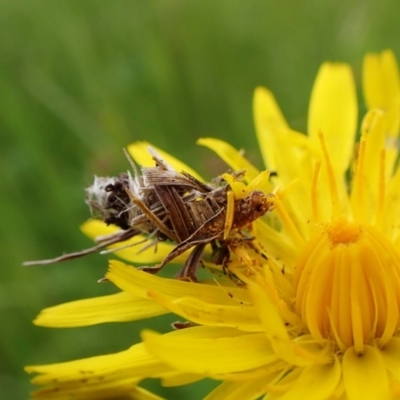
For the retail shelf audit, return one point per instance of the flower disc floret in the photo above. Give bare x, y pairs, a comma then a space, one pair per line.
347, 285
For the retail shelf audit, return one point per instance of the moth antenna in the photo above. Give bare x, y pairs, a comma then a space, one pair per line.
138, 176
159, 160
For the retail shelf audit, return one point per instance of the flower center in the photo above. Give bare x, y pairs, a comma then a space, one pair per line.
343, 231
348, 285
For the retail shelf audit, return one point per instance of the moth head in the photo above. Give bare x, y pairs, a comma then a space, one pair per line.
108, 200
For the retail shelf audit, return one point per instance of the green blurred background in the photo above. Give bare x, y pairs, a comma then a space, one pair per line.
79, 80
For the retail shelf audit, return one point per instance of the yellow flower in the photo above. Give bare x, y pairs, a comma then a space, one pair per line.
317, 313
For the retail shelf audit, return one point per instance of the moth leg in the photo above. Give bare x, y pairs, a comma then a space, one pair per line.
152, 270
177, 251
220, 253
117, 237
200, 236
190, 267
183, 325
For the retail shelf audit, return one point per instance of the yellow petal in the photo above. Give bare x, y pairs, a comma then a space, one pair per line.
288, 153
261, 182
136, 361
275, 330
333, 111
239, 188
231, 156
98, 377
316, 382
138, 283
365, 376
192, 349
238, 316
283, 150
94, 228
382, 87
366, 180
382, 93
392, 205
119, 307
391, 356
250, 390
279, 245
269, 123
230, 209
267, 373
272, 322
143, 394
140, 153
125, 390
176, 378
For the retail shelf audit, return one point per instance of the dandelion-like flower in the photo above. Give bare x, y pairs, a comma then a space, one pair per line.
313, 311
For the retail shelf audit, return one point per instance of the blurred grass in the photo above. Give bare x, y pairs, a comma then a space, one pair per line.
80, 80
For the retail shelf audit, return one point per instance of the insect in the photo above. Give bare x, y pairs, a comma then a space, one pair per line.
169, 205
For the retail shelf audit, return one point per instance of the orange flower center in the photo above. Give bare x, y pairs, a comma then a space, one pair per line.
348, 284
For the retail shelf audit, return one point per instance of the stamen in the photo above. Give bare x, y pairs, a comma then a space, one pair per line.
289, 224
230, 197
331, 178
357, 292
358, 183
381, 191
374, 306
334, 333
314, 197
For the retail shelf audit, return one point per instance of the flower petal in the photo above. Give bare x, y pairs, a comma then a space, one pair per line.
231, 156
119, 307
140, 153
275, 329
239, 316
287, 152
104, 392
333, 111
272, 322
279, 245
192, 349
137, 283
249, 390
365, 375
316, 382
143, 394
366, 185
177, 378
269, 123
391, 357
381, 86
101, 377
283, 150
94, 228
261, 182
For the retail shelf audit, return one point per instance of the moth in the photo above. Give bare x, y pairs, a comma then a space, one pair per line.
169, 205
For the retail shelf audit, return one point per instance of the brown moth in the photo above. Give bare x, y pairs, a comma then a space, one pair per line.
168, 205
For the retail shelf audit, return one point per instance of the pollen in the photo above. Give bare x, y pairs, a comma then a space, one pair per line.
347, 285
343, 231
